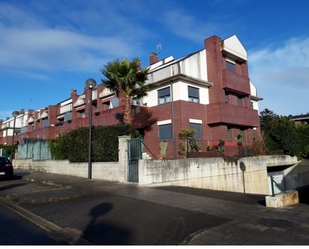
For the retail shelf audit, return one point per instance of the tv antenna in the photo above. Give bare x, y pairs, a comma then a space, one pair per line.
159, 47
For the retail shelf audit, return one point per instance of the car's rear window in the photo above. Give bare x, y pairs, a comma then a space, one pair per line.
4, 160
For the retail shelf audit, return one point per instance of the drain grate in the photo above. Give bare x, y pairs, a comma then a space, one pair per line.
275, 223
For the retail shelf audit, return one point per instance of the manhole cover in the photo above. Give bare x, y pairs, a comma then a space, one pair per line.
275, 223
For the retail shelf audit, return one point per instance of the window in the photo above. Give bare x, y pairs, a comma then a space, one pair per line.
193, 94
165, 132
251, 104
243, 134
110, 102
67, 116
197, 127
230, 66
239, 101
107, 105
229, 133
82, 114
164, 96
226, 97
45, 123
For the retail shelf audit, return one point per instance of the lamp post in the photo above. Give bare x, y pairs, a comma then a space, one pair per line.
90, 83
14, 114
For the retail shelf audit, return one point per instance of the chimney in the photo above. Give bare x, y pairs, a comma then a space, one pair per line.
153, 58
73, 93
22, 111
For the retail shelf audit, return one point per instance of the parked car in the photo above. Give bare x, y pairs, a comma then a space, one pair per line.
6, 168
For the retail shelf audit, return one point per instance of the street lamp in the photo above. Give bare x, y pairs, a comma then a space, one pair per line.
14, 114
90, 83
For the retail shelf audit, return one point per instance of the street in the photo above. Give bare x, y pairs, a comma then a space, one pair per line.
108, 219
77, 211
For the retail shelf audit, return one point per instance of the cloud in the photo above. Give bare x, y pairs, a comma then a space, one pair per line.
282, 75
41, 38
187, 26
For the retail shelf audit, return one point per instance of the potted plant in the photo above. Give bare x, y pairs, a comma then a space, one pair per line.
222, 142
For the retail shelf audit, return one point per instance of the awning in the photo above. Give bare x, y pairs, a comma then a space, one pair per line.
80, 108
107, 99
60, 117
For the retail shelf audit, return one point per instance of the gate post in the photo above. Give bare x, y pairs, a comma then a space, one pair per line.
123, 158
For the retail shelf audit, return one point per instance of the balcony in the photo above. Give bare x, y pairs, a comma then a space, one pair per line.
235, 82
232, 114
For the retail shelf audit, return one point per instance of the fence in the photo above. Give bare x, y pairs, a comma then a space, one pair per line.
37, 151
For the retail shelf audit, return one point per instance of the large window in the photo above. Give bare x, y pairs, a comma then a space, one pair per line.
164, 96
197, 127
165, 132
193, 94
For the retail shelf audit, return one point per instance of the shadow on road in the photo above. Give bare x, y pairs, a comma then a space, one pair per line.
102, 232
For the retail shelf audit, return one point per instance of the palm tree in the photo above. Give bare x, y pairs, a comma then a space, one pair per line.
126, 80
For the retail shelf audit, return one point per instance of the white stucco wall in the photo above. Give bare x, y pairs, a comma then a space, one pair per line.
180, 92
195, 66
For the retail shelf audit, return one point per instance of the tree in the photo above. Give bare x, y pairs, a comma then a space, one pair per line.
280, 133
187, 141
126, 80
266, 116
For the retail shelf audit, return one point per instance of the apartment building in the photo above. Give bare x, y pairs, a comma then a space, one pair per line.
208, 90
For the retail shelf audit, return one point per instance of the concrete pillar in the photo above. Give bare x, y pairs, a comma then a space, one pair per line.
123, 158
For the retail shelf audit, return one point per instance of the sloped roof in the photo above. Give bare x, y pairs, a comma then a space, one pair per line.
233, 48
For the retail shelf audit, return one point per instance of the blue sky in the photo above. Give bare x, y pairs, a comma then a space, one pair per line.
48, 47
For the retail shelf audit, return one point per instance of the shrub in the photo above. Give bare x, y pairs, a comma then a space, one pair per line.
74, 144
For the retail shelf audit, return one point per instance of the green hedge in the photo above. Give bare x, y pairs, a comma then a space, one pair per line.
74, 145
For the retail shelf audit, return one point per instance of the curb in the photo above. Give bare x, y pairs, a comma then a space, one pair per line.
23, 200
69, 236
50, 183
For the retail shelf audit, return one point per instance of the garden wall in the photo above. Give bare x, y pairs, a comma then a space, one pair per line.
246, 175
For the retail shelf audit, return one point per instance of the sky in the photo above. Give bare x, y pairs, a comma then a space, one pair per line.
49, 47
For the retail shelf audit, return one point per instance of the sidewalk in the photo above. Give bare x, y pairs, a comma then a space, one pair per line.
251, 223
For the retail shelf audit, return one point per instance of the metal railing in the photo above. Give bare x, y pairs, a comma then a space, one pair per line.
277, 185
148, 149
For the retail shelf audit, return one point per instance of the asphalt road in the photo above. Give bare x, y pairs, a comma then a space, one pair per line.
16, 230
107, 219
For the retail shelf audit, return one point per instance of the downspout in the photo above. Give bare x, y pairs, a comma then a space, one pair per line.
173, 119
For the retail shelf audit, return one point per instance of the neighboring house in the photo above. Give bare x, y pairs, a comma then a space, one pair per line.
301, 119
208, 90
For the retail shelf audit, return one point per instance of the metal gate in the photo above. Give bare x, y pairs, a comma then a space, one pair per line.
134, 150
